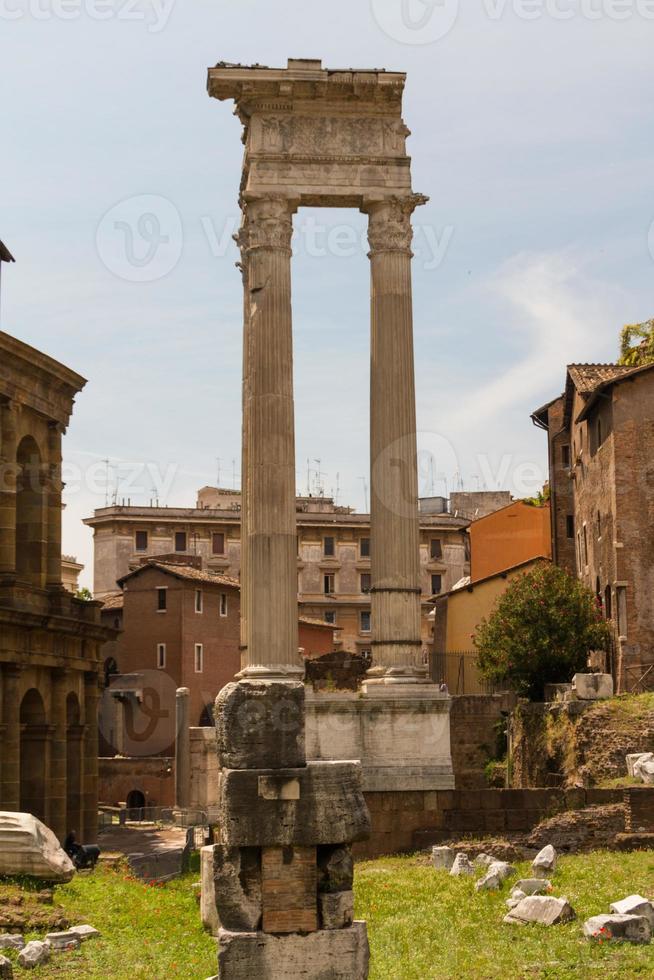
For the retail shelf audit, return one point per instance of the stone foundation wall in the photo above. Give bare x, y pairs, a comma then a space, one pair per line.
410, 821
475, 723
639, 802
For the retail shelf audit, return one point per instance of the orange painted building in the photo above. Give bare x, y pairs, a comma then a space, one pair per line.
509, 537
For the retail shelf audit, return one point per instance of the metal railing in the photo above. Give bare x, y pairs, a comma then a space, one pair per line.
458, 669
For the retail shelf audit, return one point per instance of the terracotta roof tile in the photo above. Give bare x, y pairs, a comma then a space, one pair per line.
113, 601
587, 377
187, 573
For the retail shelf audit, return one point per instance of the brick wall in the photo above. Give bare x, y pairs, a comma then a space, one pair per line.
474, 725
639, 802
152, 777
410, 821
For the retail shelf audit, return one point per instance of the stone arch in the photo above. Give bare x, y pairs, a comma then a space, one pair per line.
33, 744
135, 804
74, 734
30, 514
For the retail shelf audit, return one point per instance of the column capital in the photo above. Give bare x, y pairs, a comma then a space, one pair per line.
267, 223
389, 226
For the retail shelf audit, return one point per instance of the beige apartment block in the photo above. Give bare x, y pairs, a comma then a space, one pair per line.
333, 553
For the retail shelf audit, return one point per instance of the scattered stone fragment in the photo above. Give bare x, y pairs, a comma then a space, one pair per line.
545, 862
6, 969
30, 848
624, 928
515, 898
461, 866
85, 932
484, 860
498, 872
62, 941
34, 954
645, 771
336, 909
636, 757
635, 905
11, 941
442, 857
543, 909
532, 886
592, 687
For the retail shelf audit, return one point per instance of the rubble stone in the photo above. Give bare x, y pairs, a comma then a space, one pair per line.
545, 862
497, 873
85, 932
625, 928
461, 866
335, 868
60, 941
442, 858
261, 725
236, 887
11, 941
592, 687
636, 757
336, 909
635, 905
6, 969
645, 771
328, 808
543, 909
34, 954
484, 860
28, 847
532, 886
330, 954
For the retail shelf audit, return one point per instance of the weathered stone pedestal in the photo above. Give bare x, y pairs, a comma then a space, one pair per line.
280, 880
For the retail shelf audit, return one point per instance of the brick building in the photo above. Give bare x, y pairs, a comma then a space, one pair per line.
601, 456
50, 642
333, 553
180, 627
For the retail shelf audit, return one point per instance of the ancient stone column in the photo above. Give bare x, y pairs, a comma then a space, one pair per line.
53, 505
7, 489
56, 789
395, 560
90, 761
182, 750
269, 547
10, 790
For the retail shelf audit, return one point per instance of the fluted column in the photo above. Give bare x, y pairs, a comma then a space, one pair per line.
90, 759
53, 508
182, 749
269, 571
56, 794
242, 242
395, 561
7, 488
10, 771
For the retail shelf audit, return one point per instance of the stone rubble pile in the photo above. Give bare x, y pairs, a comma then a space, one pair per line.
640, 765
37, 952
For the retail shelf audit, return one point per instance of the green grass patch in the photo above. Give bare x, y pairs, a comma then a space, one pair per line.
424, 925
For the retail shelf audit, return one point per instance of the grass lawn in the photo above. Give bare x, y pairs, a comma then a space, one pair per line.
422, 924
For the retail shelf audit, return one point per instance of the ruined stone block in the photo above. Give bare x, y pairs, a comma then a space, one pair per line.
621, 928
330, 954
233, 874
592, 687
261, 725
6, 969
327, 808
336, 909
289, 886
335, 869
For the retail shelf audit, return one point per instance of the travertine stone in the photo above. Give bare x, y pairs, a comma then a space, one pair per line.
635, 758
6, 969
84, 933
544, 863
592, 687
442, 857
635, 905
625, 928
496, 875
61, 941
461, 866
28, 847
331, 808
261, 725
532, 886
289, 888
34, 954
335, 868
234, 876
336, 909
330, 954
543, 909
11, 941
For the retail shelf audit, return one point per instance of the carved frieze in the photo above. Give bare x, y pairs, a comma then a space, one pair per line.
325, 135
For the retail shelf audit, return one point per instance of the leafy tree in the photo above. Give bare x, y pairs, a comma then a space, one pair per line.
84, 594
540, 631
640, 353
542, 497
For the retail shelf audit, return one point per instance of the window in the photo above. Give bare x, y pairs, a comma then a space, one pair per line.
223, 603
585, 554
364, 621
565, 457
364, 547
161, 656
198, 600
436, 549
199, 658
570, 526
141, 541
329, 547
329, 584
180, 540
436, 584
330, 617
366, 582
162, 595
218, 543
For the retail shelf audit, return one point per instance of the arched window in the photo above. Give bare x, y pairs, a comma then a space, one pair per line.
30, 515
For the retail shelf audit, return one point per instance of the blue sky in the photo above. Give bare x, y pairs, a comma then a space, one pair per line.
532, 135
